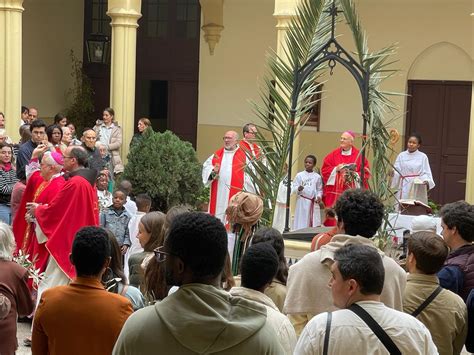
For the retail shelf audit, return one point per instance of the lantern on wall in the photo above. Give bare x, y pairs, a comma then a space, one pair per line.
98, 48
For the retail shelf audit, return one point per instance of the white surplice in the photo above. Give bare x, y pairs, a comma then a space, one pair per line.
224, 181
408, 167
312, 189
280, 208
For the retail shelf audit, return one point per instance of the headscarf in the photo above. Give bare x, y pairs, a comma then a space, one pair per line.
244, 209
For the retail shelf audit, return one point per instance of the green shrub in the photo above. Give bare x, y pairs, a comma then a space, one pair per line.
166, 168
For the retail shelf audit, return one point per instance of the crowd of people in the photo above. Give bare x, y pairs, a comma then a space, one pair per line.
119, 278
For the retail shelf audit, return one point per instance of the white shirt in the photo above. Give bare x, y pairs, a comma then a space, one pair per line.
351, 335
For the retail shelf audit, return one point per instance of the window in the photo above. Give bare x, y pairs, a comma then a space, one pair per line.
157, 18
187, 19
100, 20
314, 119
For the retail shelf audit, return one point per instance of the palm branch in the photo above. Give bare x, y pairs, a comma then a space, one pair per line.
308, 32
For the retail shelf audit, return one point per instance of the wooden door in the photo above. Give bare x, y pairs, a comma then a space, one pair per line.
440, 112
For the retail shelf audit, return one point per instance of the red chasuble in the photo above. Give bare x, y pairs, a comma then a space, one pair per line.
250, 149
44, 193
74, 207
333, 159
237, 179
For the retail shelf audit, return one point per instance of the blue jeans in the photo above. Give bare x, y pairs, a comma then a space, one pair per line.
5, 213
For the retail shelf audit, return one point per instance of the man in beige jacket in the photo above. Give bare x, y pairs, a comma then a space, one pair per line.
259, 266
360, 214
446, 315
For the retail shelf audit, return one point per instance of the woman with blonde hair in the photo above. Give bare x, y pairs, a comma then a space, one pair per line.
143, 124
13, 286
150, 236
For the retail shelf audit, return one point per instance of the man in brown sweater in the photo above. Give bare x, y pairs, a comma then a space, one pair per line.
81, 318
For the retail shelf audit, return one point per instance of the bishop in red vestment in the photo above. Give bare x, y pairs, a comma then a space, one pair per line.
336, 166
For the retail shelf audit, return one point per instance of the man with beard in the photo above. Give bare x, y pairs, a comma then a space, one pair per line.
209, 320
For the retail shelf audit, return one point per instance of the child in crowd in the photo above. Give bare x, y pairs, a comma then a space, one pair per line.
116, 219
308, 187
143, 202
105, 197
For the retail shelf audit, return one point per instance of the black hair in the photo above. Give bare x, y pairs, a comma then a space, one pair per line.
200, 241
361, 211
364, 264
330, 213
459, 214
58, 117
38, 123
430, 251
416, 135
259, 266
80, 154
116, 265
90, 249
50, 129
275, 239
24, 109
311, 156
143, 201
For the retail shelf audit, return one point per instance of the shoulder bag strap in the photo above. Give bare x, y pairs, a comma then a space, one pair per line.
376, 328
430, 299
328, 332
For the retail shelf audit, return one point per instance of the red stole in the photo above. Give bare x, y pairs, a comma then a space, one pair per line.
74, 207
237, 179
332, 192
250, 149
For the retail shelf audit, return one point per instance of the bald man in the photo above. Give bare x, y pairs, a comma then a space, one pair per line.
224, 172
338, 168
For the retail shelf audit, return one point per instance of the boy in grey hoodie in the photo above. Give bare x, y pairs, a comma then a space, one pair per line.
200, 317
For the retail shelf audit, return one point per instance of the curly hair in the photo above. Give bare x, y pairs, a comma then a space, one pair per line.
275, 239
459, 214
259, 266
200, 241
361, 211
90, 249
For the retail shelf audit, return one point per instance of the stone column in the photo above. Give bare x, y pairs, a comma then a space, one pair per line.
285, 11
10, 63
470, 157
124, 15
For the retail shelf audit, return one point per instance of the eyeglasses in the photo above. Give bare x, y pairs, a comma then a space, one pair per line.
160, 255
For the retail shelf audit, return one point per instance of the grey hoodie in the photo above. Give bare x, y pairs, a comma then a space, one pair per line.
199, 319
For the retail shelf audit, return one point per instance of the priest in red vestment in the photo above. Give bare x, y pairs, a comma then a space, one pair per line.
44, 181
74, 207
224, 171
341, 169
247, 144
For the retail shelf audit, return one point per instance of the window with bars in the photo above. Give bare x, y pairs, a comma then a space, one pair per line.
187, 19
100, 20
157, 18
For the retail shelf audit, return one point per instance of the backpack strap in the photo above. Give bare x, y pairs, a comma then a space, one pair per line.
328, 332
376, 328
430, 299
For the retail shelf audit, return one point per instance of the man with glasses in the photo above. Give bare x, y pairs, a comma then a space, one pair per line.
38, 135
224, 172
200, 317
74, 207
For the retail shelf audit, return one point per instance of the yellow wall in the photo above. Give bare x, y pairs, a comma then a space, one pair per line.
229, 78
434, 39
50, 31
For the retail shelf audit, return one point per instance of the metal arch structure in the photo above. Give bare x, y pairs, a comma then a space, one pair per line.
332, 52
